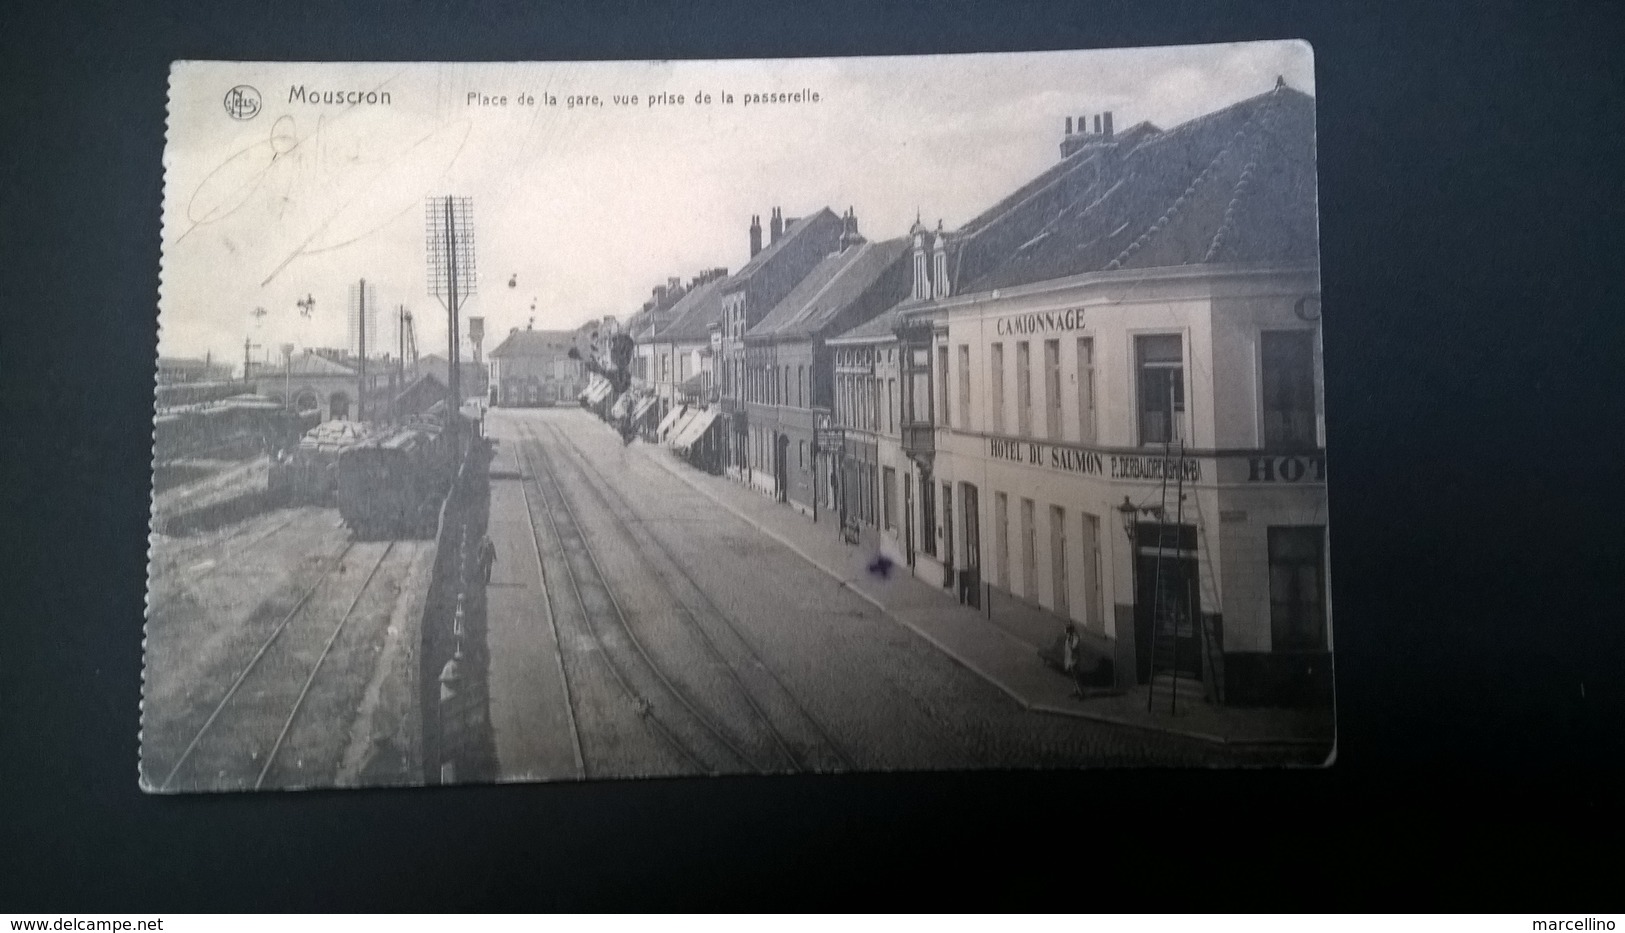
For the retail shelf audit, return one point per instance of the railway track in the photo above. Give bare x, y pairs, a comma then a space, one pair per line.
669, 712
243, 740
178, 555
802, 741
552, 617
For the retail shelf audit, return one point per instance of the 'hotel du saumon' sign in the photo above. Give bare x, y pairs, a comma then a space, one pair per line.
1248, 468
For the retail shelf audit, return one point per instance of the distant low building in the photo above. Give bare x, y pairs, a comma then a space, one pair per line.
533, 367
175, 369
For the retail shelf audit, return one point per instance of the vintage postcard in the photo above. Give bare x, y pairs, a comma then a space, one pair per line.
556, 422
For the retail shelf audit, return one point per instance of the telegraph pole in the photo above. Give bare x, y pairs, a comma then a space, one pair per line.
450, 242
361, 323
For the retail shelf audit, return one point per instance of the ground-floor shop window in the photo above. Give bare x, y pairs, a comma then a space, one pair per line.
1297, 588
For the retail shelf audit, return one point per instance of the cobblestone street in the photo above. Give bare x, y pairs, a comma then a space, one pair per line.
778, 656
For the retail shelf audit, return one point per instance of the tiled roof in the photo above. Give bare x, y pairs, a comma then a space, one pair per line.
310, 364
880, 327
773, 249
832, 285
1236, 185
692, 317
534, 343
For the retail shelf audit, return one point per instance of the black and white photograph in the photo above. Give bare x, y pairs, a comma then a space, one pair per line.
542, 422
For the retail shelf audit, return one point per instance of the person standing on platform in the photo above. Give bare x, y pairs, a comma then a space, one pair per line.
488, 557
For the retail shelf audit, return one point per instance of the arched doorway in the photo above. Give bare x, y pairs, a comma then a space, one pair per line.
338, 406
781, 466
306, 401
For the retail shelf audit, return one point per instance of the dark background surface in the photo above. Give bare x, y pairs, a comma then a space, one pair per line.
1470, 167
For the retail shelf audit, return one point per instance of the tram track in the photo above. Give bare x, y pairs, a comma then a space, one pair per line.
814, 749
235, 740
661, 703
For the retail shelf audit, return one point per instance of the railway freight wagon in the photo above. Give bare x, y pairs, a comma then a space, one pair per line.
392, 485
241, 426
306, 473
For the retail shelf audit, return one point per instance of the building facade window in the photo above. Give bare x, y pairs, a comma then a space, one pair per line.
1094, 617
801, 455
888, 497
928, 515
1029, 550
1160, 364
891, 406
801, 387
1024, 390
1288, 363
1086, 390
964, 386
996, 404
1052, 389
1297, 588
1001, 540
943, 410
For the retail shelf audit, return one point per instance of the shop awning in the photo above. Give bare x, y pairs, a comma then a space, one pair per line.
670, 422
645, 405
694, 430
622, 406
598, 391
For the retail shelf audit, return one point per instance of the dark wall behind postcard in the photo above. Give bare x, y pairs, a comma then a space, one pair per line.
1469, 183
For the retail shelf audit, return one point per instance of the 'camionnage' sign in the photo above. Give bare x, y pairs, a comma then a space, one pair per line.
1040, 322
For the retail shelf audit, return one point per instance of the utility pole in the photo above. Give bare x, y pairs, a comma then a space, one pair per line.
248, 359
361, 324
287, 375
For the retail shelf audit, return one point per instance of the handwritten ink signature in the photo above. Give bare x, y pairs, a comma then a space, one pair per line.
278, 162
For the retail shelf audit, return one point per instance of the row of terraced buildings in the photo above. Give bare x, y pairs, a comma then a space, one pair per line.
1100, 398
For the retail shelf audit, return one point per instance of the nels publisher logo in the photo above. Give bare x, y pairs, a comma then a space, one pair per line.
242, 102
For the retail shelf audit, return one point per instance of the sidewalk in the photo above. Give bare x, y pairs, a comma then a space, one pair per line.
1005, 655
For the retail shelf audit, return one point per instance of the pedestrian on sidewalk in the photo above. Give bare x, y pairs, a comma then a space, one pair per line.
488, 556
1069, 656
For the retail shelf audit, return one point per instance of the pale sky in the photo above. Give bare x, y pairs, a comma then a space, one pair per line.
593, 206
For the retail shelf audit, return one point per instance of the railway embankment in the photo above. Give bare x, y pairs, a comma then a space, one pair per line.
222, 497
384, 746
452, 674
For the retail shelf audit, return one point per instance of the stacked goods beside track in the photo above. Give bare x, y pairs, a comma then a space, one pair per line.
238, 426
306, 473
392, 484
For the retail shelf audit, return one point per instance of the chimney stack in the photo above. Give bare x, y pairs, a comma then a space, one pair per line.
775, 226
1097, 124
755, 234
1108, 130
1069, 126
850, 236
